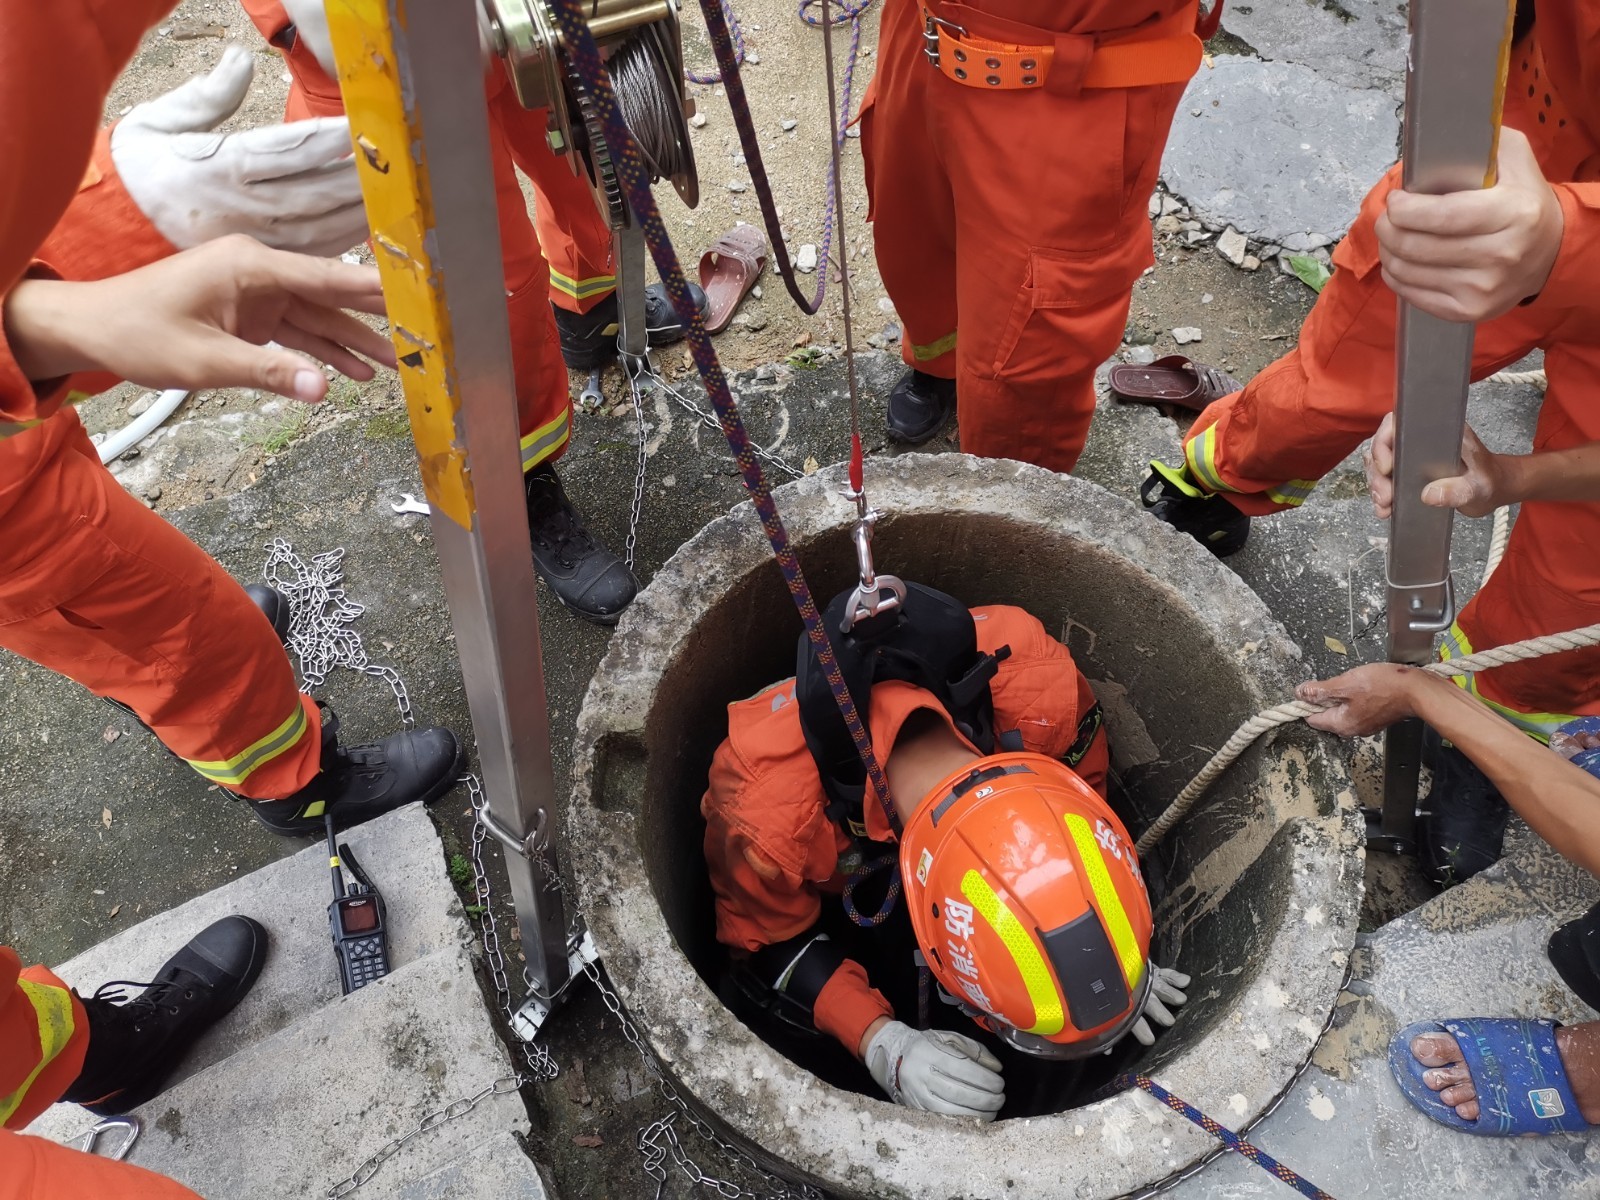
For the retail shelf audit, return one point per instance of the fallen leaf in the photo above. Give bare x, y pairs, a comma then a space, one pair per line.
1334, 644
115, 909
1310, 271
803, 340
589, 1141
811, 466
111, 734
105, 817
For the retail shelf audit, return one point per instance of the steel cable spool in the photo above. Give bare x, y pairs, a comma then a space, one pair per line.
644, 42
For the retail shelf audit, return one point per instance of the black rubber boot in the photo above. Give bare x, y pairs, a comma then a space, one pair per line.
583, 574
274, 605
1461, 823
363, 782
1574, 952
1210, 520
135, 1045
589, 340
919, 406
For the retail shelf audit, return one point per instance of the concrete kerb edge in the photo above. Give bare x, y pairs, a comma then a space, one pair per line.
763, 1098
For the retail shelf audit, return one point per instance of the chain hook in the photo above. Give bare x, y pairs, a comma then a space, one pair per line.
874, 594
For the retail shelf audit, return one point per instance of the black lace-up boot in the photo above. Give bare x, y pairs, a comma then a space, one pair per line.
585, 576
135, 1044
359, 783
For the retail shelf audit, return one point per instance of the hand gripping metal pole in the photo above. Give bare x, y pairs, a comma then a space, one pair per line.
408, 70
1455, 82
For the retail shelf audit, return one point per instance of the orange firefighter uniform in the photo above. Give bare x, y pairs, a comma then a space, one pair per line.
567, 224
772, 852
94, 585
1008, 187
1265, 447
44, 1022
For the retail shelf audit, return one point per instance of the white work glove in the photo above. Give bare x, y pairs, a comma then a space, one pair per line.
310, 20
1164, 991
936, 1071
290, 186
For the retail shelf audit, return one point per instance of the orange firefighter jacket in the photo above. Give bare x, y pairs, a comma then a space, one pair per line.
772, 852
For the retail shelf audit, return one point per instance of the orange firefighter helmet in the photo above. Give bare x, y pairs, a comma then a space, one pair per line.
1026, 897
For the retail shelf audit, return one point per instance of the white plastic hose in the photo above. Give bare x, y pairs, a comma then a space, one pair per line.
142, 426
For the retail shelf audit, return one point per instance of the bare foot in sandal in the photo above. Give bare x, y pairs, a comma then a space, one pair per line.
1447, 1074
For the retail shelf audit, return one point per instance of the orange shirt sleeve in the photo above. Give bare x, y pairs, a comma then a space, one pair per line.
768, 840
1571, 283
57, 64
848, 1004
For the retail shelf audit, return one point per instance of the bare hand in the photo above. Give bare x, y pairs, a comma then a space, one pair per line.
1471, 256
202, 318
1365, 700
1483, 485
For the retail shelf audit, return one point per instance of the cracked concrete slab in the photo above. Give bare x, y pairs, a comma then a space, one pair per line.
1279, 151
1357, 43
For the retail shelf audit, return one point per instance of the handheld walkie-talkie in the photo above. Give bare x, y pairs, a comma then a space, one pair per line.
356, 919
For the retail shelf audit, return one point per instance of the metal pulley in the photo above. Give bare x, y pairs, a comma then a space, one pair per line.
642, 41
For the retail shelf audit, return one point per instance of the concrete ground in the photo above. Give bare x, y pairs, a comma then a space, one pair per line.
100, 828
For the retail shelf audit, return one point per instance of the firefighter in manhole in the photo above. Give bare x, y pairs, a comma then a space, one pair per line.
977, 943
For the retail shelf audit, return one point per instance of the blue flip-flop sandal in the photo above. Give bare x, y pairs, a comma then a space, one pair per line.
1522, 1086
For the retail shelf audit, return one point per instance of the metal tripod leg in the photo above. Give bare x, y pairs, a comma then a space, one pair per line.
422, 149
633, 339
1457, 64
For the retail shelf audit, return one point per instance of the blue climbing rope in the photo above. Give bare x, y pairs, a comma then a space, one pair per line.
1227, 1137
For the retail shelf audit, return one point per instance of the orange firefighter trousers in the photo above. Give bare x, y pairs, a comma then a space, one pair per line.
575, 238
1266, 446
1010, 225
43, 1036
95, 586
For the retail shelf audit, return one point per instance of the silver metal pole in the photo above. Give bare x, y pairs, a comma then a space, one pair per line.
410, 72
1454, 82
632, 337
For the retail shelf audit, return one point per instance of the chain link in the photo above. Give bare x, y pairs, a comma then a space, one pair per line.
321, 628
709, 419
460, 1108
638, 384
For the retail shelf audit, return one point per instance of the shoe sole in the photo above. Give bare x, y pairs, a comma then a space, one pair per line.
130, 1099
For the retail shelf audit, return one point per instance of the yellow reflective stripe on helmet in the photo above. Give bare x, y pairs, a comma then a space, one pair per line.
1538, 725
52, 1008
936, 349
233, 771
1294, 493
1201, 455
582, 289
546, 440
1048, 1014
1112, 915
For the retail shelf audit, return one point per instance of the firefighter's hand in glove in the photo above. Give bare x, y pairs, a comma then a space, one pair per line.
936, 1071
1165, 991
291, 186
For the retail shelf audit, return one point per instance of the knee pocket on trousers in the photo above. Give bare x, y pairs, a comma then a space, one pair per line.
1065, 297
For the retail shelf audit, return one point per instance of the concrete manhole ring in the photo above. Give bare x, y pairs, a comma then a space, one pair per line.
1263, 880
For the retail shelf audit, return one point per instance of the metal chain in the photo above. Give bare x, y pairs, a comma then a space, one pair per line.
321, 628
638, 384
460, 1108
709, 420
659, 1140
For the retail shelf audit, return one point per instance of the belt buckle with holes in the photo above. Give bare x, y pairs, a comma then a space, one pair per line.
930, 35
